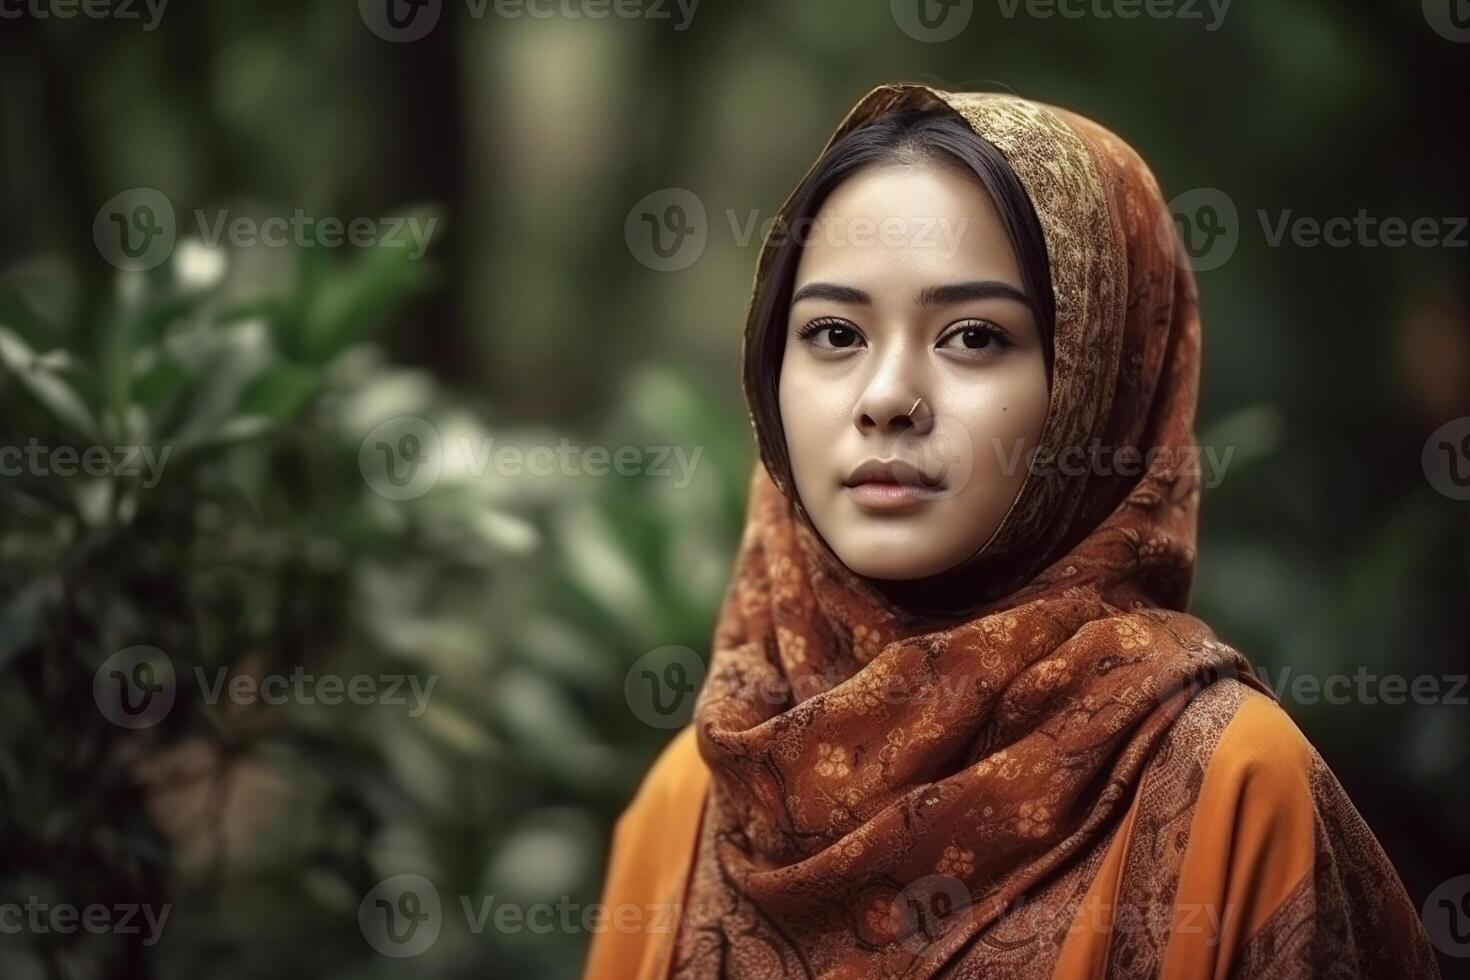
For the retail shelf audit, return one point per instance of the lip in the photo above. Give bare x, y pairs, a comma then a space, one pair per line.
891, 484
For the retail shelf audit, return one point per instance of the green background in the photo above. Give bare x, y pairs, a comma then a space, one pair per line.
264, 548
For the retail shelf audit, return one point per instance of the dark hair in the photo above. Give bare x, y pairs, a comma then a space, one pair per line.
901, 136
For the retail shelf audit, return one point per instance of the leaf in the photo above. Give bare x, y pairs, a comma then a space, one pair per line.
241, 428
342, 309
165, 378
281, 391
45, 386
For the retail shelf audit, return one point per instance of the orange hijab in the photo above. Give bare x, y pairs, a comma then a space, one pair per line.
858, 748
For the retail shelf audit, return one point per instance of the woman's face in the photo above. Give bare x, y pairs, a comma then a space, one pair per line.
913, 384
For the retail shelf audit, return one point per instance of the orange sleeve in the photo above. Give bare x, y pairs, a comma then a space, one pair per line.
1282, 876
1251, 842
652, 851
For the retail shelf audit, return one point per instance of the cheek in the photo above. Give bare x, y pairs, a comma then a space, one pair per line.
996, 425
815, 409
1014, 419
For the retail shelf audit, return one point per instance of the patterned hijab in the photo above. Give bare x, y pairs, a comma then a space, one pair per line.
885, 782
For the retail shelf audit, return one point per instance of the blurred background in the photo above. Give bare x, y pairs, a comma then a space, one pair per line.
275, 536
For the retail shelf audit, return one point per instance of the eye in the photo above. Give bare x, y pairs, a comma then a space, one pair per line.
975, 338
831, 334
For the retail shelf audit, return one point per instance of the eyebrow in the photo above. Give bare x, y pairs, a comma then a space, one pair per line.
957, 292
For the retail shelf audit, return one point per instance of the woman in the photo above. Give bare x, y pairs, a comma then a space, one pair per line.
956, 722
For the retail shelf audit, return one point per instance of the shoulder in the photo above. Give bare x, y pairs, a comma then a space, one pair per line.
1233, 789
1258, 746
677, 777
669, 800
1242, 767
1220, 834
1240, 739
652, 848
1277, 863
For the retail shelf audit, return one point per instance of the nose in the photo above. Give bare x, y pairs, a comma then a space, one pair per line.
893, 402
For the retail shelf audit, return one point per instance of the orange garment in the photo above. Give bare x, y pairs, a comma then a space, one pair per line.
1243, 884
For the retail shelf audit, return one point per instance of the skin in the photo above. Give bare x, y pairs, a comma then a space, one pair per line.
876, 343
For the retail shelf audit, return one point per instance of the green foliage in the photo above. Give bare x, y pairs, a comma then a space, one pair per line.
257, 545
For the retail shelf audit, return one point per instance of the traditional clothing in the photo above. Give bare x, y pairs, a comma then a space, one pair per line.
1074, 778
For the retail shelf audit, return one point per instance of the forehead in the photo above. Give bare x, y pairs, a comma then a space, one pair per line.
900, 222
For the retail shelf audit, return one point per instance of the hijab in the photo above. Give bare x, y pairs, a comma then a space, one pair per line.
868, 757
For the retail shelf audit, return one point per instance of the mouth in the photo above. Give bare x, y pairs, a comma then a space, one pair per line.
891, 484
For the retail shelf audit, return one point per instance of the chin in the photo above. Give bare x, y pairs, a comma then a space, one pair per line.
901, 547
896, 561
888, 572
